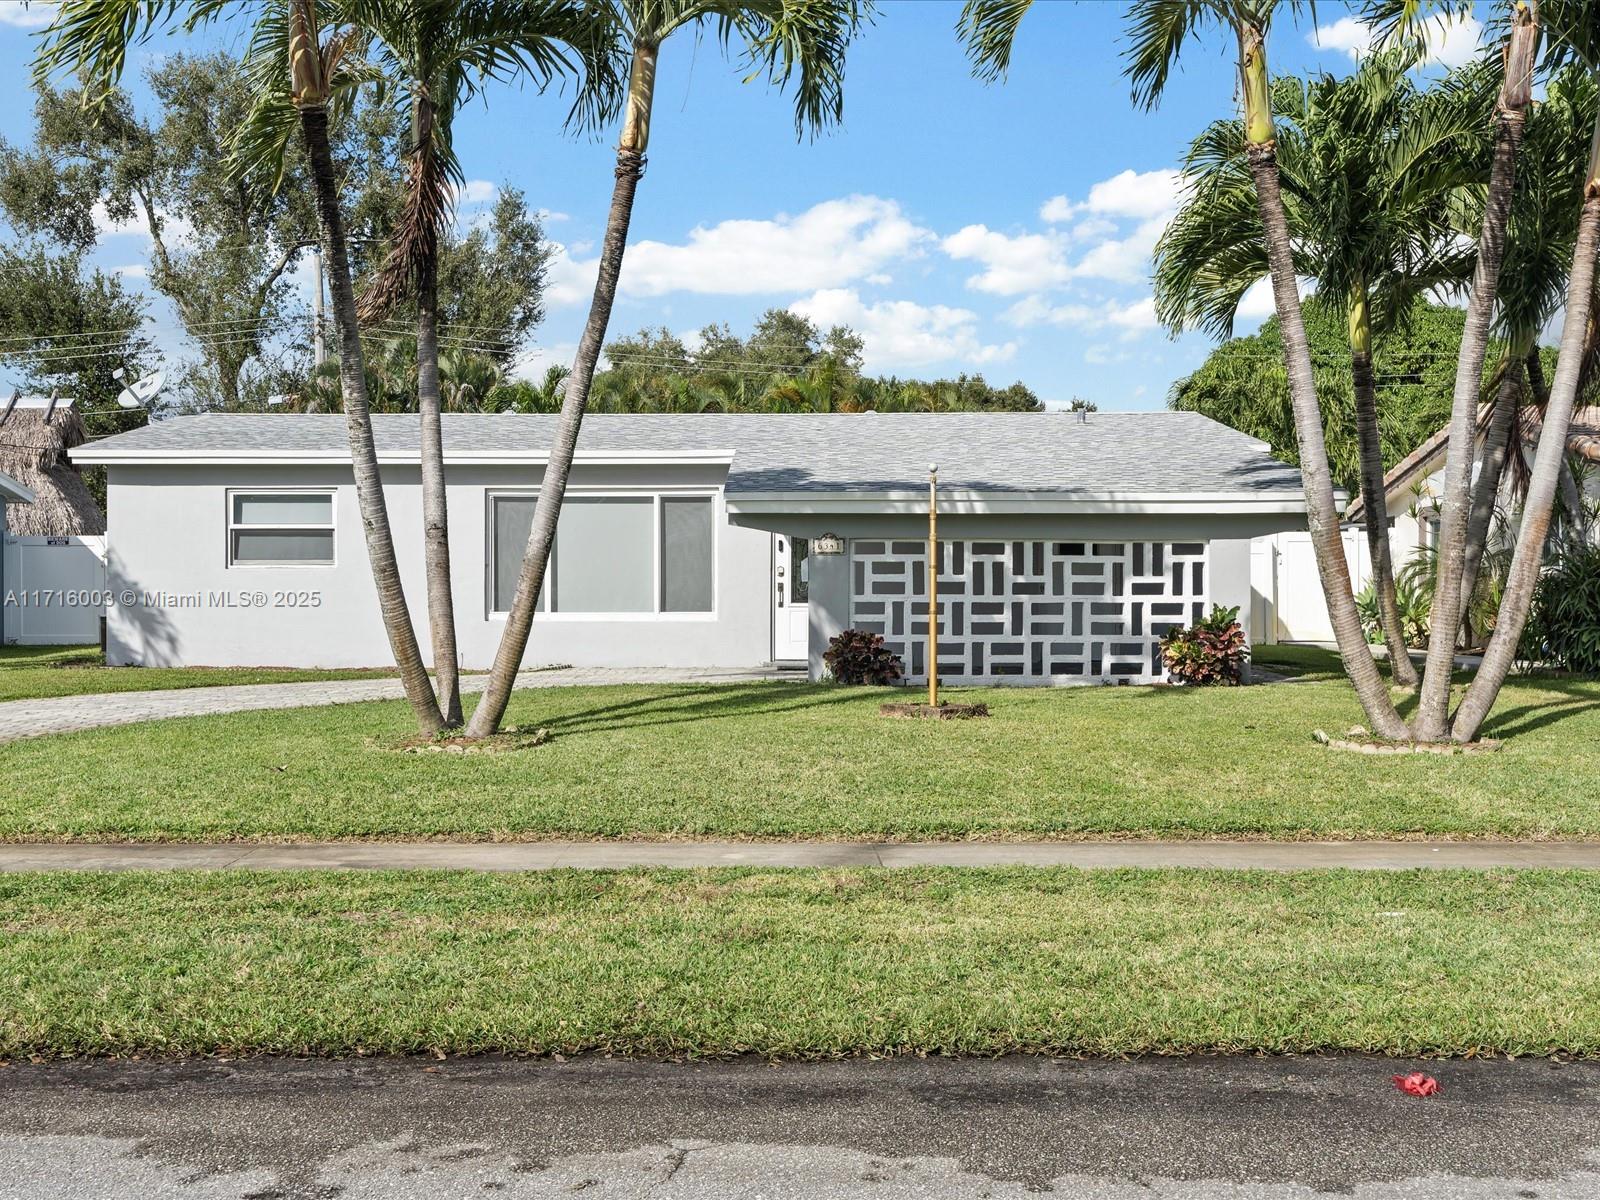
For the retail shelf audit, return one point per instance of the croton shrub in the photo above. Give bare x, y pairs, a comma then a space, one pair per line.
1212, 651
856, 656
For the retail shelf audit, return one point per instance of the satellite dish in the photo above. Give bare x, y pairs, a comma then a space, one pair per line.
140, 392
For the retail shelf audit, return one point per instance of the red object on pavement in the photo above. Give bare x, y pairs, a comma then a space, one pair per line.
1417, 1084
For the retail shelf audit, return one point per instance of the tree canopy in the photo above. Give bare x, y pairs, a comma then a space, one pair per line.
1243, 384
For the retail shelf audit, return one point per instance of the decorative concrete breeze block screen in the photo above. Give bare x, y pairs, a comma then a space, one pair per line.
1026, 612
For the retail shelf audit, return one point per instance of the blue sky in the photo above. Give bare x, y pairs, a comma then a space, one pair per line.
998, 228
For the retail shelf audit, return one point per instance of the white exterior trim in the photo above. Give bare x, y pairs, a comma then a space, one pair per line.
13, 492
956, 502
88, 454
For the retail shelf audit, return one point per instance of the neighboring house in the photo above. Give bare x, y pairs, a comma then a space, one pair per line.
1414, 488
11, 492
698, 540
51, 554
37, 433
1288, 595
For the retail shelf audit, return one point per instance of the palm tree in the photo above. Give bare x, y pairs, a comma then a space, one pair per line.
441, 56
785, 39
324, 65
1575, 38
466, 378
1431, 723
1539, 249
1368, 166
1157, 32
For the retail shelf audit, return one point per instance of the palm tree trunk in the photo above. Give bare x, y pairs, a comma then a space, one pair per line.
435, 514
358, 421
1486, 488
1571, 495
1433, 709
1548, 461
631, 148
1376, 514
1322, 512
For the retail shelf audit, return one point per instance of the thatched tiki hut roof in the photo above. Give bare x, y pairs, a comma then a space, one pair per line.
34, 440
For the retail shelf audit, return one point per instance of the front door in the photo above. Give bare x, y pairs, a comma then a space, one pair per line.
790, 612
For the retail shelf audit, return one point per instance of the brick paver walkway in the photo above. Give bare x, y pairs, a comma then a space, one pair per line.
63, 714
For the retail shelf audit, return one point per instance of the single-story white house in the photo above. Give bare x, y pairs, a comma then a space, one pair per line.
1071, 542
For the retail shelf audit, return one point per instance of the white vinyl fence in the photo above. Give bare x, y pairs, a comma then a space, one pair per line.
52, 590
1285, 591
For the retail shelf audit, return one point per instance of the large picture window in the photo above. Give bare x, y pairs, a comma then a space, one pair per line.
614, 554
280, 529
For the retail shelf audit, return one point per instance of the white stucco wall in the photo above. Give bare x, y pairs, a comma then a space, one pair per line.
168, 534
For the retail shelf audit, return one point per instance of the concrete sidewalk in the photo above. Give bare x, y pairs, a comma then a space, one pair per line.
545, 856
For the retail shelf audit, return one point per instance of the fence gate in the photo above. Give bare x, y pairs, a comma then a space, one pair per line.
52, 590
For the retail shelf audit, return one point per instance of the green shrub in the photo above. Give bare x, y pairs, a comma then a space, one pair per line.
856, 656
1211, 651
1563, 627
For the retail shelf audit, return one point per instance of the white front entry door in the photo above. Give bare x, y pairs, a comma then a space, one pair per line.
790, 612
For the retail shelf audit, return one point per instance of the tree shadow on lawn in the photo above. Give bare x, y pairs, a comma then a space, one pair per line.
708, 702
1526, 718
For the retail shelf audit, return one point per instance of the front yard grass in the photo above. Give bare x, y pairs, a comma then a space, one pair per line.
798, 761
34, 672
801, 963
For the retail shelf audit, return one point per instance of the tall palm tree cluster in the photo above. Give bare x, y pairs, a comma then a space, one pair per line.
1372, 187
309, 59
1378, 191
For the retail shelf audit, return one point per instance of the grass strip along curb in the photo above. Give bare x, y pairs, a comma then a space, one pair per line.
801, 963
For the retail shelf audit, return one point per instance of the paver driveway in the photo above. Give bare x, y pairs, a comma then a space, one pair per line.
63, 714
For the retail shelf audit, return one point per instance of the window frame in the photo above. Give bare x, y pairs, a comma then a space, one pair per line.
232, 526
655, 495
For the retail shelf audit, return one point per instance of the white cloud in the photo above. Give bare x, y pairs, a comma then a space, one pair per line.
1137, 195
35, 15
1057, 209
1124, 260
531, 364
569, 280
1450, 42
478, 191
1257, 303
902, 333
1096, 228
174, 230
1100, 355
132, 271
550, 216
830, 244
1012, 265
107, 226
1132, 318
1350, 34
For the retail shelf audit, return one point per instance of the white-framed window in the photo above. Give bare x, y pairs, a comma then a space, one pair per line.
281, 527
619, 555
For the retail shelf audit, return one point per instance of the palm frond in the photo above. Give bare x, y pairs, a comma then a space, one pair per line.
1156, 33
988, 29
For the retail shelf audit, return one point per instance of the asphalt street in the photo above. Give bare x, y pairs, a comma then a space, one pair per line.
1198, 1129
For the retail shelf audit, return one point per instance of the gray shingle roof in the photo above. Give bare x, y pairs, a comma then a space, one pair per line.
1149, 452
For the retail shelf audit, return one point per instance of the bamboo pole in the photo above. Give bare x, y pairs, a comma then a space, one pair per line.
933, 585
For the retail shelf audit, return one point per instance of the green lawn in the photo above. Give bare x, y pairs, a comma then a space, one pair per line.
32, 672
785, 760
801, 963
